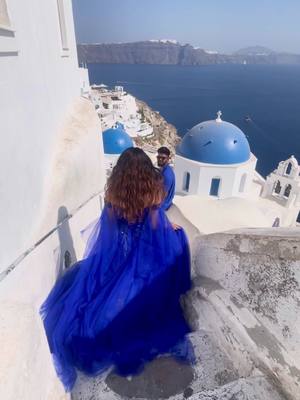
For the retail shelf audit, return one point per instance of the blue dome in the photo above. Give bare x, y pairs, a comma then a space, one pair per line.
116, 140
215, 142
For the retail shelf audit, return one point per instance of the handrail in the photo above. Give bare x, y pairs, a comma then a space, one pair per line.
18, 260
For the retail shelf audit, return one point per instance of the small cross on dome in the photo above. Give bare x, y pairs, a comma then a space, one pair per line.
219, 113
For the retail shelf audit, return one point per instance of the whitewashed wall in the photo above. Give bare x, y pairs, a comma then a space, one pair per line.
290, 202
39, 83
84, 82
26, 368
201, 175
71, 201
111, 161
182, 166
52, 171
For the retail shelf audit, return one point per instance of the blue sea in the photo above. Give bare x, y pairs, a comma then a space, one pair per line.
185, 96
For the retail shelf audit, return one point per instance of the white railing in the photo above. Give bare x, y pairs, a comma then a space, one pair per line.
6, 271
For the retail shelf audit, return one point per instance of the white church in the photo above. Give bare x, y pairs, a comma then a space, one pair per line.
214, 162
214, 158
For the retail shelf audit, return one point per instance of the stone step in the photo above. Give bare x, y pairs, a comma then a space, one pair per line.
213, 377
159, 388
165, 378
251, 388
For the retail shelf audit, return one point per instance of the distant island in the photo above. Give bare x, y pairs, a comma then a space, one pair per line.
170, 52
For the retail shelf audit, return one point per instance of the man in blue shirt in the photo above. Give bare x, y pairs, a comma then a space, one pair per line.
163, 160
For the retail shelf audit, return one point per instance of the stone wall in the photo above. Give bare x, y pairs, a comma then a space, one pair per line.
250, 280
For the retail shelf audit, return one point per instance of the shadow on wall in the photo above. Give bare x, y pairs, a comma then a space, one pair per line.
65, 253
276, 223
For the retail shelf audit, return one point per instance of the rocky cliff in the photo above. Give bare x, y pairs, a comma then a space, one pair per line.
173, 53
143, 53
164, 134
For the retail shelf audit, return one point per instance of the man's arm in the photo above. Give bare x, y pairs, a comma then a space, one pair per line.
169, 185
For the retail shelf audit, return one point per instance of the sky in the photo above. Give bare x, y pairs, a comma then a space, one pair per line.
221, 25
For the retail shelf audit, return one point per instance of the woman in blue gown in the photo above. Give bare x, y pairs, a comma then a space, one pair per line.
119, 307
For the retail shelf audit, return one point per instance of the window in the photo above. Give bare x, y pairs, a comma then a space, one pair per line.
288, 169
287, 190
186, 181
214, 187
62, 24
277, 188
242, 183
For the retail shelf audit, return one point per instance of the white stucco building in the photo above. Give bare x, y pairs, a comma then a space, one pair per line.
214, 162
117, 105
214, 159
283, 186
113, 105
50, 189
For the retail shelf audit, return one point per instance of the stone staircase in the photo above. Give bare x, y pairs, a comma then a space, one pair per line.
238, 355
213, 377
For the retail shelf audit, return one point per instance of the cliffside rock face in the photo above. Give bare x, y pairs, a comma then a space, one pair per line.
148, 52
164, 134
130, 53
170, 53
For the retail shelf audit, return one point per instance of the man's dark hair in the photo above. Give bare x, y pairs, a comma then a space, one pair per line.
164, 150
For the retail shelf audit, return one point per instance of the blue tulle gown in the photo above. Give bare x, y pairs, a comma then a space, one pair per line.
119, 307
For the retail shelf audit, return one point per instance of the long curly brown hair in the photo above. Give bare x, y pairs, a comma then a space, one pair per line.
134, 185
